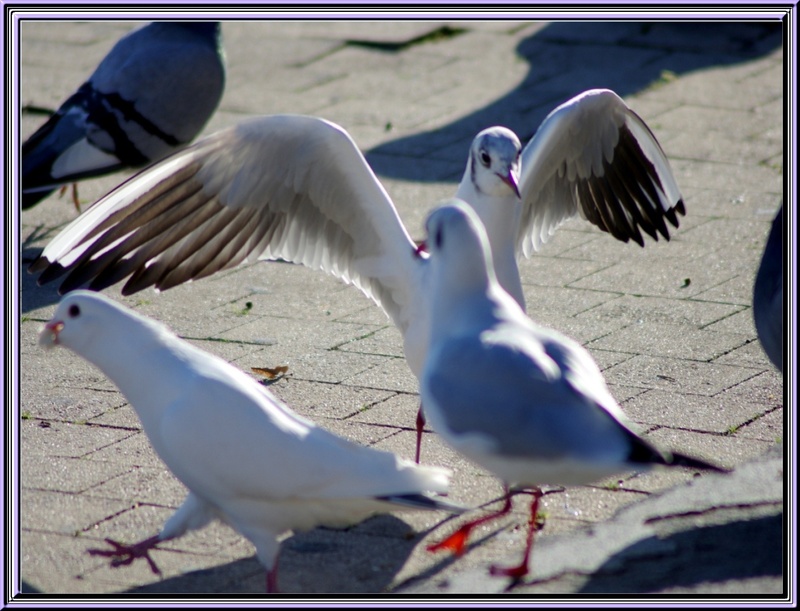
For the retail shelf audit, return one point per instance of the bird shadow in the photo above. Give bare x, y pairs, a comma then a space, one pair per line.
27, 588
711, 554
566, 58
364, 558
33, 296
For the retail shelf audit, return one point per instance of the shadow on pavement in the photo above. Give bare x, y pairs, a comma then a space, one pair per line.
567, 58
713, 554
364, 558
33, 296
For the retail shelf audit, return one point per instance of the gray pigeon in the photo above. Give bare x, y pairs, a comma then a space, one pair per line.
152, 94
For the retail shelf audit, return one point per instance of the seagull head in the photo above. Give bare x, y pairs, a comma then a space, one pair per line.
494, 162
458, 245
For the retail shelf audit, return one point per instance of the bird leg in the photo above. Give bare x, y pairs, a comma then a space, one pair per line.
75, 200
420, 427
272, 579
521, 570
126, 554
457, 541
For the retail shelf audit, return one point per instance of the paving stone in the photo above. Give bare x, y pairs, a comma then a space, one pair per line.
677, 374
658, 339
329, 400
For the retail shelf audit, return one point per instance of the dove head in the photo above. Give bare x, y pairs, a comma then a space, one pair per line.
494, 165
77, 319
87, 323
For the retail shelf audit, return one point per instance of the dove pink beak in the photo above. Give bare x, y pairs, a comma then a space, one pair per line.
50, 332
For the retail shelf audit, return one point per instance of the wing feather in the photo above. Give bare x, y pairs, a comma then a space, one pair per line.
280, 186
593, 155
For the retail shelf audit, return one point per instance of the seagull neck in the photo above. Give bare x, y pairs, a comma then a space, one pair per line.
465, 312
462, 292
501, 219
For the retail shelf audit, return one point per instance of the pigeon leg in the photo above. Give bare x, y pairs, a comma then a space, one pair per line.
518, 572
420, 427
458, 540
75, 199
126, 554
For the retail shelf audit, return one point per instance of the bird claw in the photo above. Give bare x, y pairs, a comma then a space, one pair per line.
454, 543
515, 572
122, 554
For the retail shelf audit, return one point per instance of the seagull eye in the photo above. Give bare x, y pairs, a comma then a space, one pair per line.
74, 311
485, 159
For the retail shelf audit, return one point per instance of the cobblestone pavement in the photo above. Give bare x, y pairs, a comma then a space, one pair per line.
670, 325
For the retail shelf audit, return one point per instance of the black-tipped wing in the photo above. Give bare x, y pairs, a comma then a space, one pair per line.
595, 157
281, 186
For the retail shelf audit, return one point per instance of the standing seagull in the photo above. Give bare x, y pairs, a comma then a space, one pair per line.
541, 412
297, 188
153, 93
245, 457
768, 294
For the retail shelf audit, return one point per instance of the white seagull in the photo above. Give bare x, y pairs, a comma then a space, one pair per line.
540, 412
151, 94
245, 457
298, 188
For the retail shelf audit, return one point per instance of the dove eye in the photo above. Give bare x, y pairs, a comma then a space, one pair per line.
74, 311
485, 159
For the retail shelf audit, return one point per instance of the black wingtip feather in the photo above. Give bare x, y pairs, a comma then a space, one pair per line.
50, 273
39, 264
422, 501
644, 453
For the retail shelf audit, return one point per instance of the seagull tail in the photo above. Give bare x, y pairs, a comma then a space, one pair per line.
423, 501
644, 453
684, 460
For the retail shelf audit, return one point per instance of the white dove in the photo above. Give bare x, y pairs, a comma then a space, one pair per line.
151, 94
541, 412
297, 188
270, 471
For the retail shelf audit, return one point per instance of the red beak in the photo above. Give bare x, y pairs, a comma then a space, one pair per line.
511, 180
